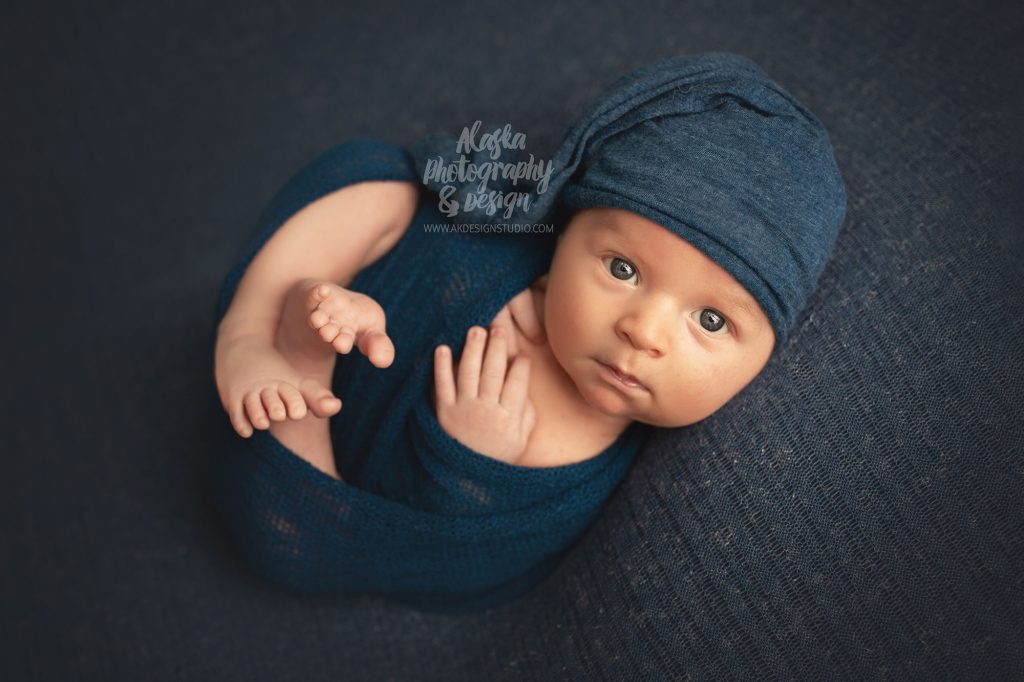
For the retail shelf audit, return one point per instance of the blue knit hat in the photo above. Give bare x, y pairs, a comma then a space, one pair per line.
710, 148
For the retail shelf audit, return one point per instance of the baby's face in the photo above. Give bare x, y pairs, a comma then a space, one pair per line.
624, 291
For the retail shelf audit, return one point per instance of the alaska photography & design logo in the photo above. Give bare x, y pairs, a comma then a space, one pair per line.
467, 169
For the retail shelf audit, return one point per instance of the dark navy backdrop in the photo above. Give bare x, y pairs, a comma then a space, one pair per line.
855, 513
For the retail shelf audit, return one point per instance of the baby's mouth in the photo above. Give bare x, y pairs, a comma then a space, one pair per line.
627, 380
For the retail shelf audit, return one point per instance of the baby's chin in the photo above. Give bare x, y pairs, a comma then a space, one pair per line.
604, 403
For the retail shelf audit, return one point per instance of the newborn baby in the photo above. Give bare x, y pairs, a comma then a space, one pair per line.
505, 382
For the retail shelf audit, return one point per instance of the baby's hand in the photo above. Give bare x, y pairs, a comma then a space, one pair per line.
488, 412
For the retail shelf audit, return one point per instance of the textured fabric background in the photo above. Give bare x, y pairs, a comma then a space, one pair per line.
855, 513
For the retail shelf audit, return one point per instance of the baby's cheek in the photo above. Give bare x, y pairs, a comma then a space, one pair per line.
572, 320
683, 399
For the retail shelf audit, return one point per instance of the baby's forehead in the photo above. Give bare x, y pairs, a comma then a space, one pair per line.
655, 245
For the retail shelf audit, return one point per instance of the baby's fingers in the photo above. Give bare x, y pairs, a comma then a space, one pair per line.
492, 375
470, 360
444, 381
504, 320
514, 395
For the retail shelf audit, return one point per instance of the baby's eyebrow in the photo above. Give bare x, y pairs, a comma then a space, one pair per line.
608, 223
742, 304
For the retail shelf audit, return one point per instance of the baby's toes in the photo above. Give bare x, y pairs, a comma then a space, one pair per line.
239, 421
272, 403
321, 302
319, 305
318, 318
320, 399
317, 294
341, 338
344, 340
293, 400
254, 410
329, 332
379, 349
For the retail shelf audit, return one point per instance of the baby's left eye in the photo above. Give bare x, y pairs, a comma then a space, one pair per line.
712, 321
621, 268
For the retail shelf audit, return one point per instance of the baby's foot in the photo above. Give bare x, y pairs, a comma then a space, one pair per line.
298, 338
259, 385
344, 319
321, 318
262, 382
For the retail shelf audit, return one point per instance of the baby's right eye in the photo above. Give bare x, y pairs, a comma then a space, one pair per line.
620, 268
